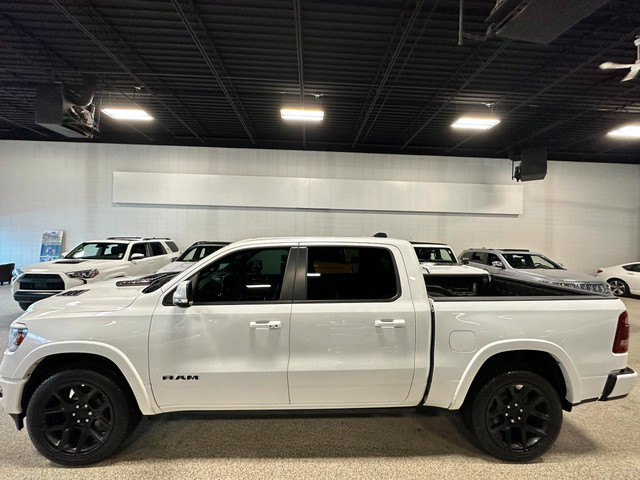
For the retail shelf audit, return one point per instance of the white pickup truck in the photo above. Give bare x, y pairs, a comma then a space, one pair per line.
309, 323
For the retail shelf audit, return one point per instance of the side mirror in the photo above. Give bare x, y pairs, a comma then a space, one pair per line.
182, 295
497, 264
136, 256
465, 261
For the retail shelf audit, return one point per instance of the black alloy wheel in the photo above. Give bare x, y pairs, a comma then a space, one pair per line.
78, 417
618, 287
516, 416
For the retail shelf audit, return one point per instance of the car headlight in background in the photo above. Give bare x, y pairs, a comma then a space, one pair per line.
84, 274
17, 334
16, 273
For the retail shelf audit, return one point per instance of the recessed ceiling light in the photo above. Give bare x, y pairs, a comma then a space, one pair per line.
475, 123
127, 114
302, 115
629, 131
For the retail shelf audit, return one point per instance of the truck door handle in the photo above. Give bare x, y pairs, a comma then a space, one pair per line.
389, 323
266, 325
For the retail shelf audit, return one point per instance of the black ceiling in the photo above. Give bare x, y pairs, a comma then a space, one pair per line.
389, 74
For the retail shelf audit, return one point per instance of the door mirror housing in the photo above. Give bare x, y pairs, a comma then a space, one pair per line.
136, 256
497, 264
182, 297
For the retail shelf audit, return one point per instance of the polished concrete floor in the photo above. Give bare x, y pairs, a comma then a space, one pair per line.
598, 441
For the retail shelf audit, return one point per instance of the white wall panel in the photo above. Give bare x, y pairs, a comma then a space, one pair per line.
583, 214
145, 188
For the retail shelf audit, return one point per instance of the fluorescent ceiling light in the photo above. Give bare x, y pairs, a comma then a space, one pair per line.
302, 115
475, 123
127, 114
626, 131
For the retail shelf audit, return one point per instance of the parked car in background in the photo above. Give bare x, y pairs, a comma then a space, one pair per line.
623, 279
194, 253
444, 275
92, 261
530, 266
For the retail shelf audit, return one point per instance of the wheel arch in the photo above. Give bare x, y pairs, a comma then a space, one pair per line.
544, 358
101, 358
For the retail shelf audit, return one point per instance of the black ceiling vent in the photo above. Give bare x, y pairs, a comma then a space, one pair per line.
538, 21
65, 111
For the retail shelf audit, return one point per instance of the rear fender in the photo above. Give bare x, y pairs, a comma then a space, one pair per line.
567, 367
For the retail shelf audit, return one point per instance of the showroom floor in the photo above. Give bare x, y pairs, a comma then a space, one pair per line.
598, 440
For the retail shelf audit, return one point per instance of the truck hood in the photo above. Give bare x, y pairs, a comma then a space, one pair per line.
451, 269
63, 265
543, 275
103, 296
176, 267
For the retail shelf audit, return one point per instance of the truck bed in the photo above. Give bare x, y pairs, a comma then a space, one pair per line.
442, 287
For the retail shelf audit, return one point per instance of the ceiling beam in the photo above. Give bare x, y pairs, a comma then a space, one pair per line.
115, 58
298, 24
392, 62
399, 73
236, 105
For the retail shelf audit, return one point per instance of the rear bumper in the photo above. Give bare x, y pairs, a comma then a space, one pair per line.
619, 384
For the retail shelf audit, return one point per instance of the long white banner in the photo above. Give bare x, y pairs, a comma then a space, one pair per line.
315, 193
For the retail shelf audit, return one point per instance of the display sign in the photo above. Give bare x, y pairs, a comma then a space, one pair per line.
51, 245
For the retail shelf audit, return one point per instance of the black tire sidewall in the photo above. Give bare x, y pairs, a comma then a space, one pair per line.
121, 408
481, 403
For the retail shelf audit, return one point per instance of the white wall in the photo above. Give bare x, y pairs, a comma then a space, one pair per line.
584, 215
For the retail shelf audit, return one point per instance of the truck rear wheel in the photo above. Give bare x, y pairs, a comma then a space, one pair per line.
78, 417
516, 416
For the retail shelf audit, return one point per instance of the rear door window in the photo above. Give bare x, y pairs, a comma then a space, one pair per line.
157, 249
351, 274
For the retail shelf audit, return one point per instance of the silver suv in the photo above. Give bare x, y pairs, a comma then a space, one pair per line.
522, 264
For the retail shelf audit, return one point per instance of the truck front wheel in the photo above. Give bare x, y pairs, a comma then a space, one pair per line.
78, 417
516, 416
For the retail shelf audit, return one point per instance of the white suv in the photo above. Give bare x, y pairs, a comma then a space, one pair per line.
89, 262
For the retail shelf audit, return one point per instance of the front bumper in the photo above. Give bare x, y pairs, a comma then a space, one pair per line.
32, 297
619, 384
11, 394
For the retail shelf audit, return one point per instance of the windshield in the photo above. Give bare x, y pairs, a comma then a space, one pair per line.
196, 253
435, 255
99, 251
530, 261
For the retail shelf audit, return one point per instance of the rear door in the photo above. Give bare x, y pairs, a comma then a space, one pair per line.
352, 327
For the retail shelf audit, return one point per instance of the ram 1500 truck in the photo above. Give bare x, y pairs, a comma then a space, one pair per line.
310, 323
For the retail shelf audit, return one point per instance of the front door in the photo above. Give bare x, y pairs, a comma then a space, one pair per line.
353, 335
231, 347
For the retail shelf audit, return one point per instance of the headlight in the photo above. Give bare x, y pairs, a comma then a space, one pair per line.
16, 273
83, 273
17, 335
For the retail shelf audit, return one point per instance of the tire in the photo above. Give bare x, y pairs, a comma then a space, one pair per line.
24, 305
516, 416
78, 417
618, 287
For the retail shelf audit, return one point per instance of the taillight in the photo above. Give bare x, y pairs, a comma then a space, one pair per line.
599, 270
621, 340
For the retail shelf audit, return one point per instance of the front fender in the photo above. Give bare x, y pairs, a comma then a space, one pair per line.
565, 363
145, 401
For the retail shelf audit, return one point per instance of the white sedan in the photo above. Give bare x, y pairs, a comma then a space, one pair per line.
623, 279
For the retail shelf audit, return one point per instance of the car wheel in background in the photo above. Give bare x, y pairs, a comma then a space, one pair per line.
618, 287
